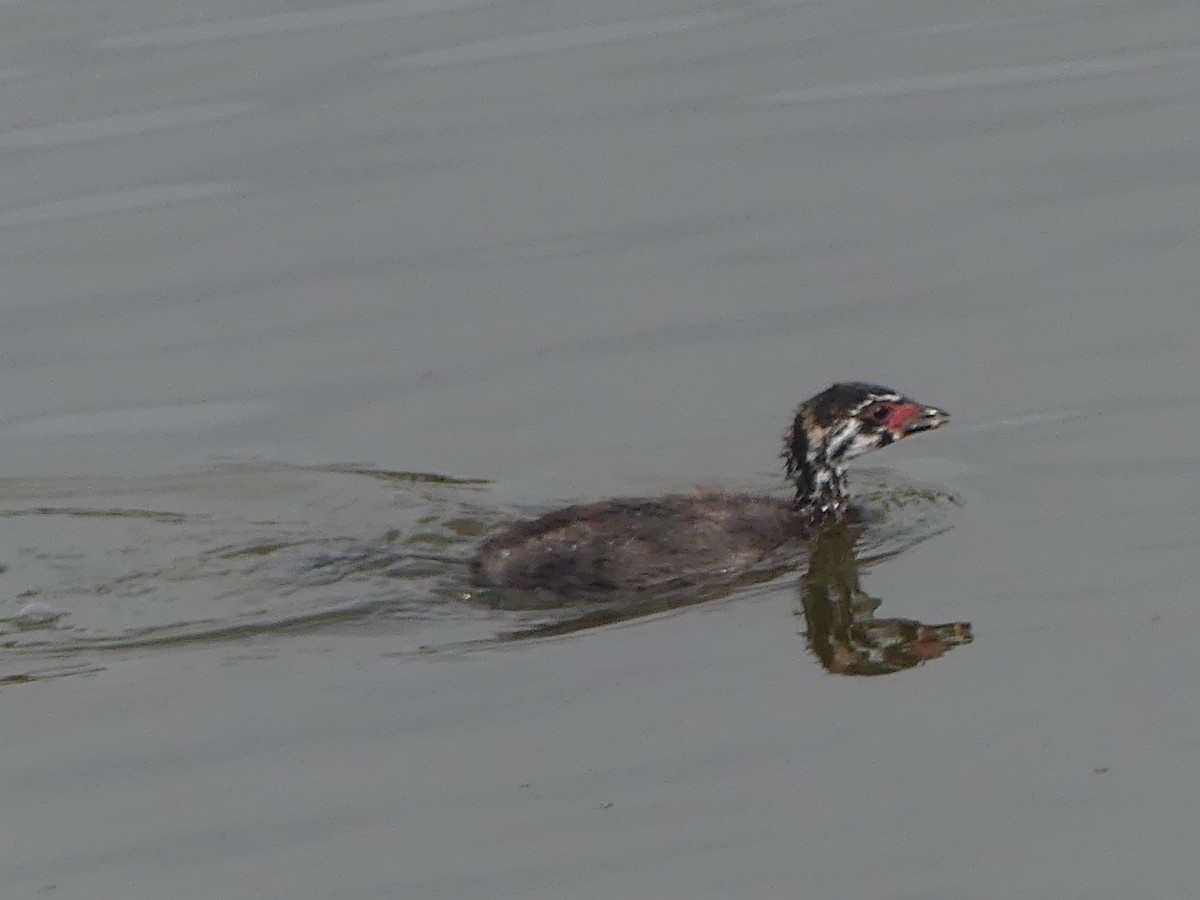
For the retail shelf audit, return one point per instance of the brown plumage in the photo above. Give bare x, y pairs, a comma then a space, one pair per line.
638, 543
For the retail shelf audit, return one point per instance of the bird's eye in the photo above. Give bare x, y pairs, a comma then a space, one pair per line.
879, 413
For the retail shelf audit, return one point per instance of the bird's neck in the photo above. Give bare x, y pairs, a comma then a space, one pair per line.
820, 491
820, 487
820, 481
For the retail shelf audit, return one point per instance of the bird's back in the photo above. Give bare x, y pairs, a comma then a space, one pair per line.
626, 544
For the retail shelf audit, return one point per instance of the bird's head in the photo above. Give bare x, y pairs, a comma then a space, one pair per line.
840, 423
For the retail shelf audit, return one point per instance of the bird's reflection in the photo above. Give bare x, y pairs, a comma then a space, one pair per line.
841, 628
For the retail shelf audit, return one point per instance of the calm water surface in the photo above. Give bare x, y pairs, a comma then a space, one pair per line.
300, 298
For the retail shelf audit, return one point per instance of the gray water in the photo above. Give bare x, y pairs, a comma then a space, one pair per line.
299, 300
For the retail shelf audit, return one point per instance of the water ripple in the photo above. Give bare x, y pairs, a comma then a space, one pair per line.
550, 41
79, 131
130, 200
1007, 76
285, 23
266, 551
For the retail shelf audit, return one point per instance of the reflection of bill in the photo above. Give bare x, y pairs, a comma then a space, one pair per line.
842, 630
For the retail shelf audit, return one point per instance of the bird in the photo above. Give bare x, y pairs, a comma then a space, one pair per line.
639, 543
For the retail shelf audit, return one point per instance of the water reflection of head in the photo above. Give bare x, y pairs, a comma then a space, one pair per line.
841, 627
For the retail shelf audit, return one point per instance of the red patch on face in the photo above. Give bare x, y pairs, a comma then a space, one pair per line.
900, 415
926, 646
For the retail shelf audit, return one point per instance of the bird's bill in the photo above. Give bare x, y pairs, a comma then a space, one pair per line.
913, 418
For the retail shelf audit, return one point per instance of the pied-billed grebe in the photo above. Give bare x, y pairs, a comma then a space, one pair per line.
635, 543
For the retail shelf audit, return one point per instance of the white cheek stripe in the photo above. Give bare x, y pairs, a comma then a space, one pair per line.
876, 398
838, 441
